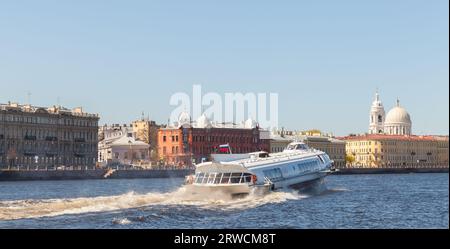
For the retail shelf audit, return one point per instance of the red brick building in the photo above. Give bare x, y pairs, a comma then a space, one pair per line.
191, 142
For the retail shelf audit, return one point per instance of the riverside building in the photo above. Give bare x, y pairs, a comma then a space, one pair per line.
396, 151
390, 143
186, 142
119, 144
35, 137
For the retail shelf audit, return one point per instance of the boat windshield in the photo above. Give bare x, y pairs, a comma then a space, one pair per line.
299, 146
222, 178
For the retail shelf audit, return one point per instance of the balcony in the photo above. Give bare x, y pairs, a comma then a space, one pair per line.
29, 137
50, 138
79, 140
77, 154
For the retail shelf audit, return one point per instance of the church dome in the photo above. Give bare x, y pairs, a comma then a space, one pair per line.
398, 121
203, 122
397, 115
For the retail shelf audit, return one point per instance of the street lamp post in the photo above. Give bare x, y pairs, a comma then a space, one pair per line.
131, 152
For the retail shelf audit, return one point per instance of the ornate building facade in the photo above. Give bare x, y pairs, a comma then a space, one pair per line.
146, 131
397, 151
390, 143
119, 145
187, 142
32, 136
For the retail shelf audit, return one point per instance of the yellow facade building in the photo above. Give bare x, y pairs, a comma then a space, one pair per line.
335, 148
442, 144
396, 151
146, 131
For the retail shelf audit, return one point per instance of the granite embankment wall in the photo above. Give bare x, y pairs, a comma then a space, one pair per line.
123, 174
350, 171
16, 175
23, 175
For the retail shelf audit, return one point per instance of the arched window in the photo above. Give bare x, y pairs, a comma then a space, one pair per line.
380, 118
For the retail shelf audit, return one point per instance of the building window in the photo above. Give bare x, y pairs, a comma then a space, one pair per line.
164, 139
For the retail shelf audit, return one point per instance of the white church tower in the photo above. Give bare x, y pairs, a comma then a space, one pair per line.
376, 116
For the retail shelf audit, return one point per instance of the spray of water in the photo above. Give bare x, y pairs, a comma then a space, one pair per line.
20, 209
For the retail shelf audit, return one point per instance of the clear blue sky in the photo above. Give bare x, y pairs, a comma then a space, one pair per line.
324, 58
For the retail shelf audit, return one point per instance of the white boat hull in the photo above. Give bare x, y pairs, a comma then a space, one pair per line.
299, 181
230, 190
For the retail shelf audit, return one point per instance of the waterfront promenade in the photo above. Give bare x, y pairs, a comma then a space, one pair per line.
351, 171
83, 173
91, 173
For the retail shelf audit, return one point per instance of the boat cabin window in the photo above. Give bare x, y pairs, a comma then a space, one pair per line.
308, 166
273, 174
263, 155
222, 178
235, 177
299, 146
218, 178
225, 178
290, 147
211, 178
247, 177
199, 177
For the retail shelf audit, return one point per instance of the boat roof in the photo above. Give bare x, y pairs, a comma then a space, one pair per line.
221, 167
278, 157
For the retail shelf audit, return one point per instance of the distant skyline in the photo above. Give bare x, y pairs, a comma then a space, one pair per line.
325, 59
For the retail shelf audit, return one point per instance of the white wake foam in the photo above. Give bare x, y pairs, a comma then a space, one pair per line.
20, 209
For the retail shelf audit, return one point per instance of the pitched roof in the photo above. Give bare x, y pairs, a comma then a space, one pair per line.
128, 141
391, 137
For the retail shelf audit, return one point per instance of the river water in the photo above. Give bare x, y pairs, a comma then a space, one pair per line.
346, 201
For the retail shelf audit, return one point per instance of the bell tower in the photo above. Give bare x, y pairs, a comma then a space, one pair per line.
377, 116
